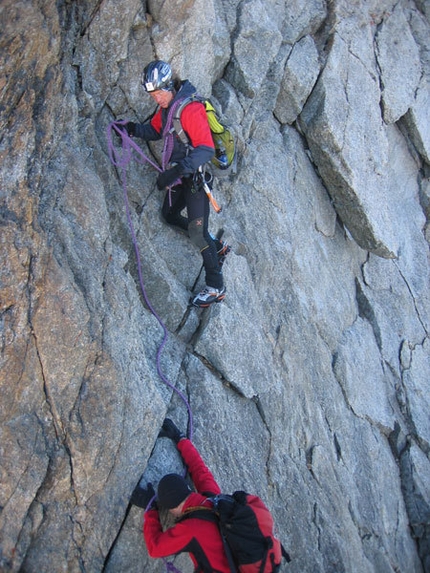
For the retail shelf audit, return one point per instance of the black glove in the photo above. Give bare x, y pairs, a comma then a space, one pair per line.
141, 496
130, 128
168, 177
169, 430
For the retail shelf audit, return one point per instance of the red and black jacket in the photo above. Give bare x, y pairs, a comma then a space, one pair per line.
195, 124
201, 539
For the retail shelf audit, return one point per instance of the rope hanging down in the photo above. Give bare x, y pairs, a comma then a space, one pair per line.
121, 160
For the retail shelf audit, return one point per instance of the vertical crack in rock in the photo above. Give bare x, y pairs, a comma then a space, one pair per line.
336, 443
260, 410
204, 319
366, 311
417, 506
115, 540
259, 406
58, 426
405, 407
86, 23
188, 394
340, 382
219, 375
76, 543
378, 67
402, 398
309, 461
337, 447
413, 298
183, 321
151, 17
59, 429
317, 527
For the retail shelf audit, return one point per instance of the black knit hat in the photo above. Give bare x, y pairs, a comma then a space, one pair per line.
172, 490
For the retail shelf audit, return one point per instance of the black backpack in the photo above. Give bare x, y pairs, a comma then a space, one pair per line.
246, 527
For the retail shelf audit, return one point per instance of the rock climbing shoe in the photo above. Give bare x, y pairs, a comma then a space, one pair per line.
208, 296
222, 252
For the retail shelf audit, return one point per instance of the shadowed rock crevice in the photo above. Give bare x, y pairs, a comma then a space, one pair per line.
415, 497
366, 311
410, 289
407, 404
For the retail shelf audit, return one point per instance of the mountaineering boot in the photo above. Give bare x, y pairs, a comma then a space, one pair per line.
223, 250
208, 296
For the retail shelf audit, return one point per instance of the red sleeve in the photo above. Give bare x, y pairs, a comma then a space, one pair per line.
163, 543
195, 123
156, 121
200, 473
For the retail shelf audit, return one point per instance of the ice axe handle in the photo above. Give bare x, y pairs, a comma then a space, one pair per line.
211, 198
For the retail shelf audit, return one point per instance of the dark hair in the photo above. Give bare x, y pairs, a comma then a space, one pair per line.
177, 82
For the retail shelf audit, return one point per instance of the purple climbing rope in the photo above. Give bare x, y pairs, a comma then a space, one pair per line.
170, 567
121, 160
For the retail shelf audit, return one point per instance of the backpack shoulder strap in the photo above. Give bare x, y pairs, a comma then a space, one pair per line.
285, 554
209, 514
177, 126
200, 512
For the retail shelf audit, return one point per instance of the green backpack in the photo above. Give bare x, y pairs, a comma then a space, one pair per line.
225, 147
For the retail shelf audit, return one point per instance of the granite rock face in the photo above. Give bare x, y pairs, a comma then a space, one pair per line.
309, 385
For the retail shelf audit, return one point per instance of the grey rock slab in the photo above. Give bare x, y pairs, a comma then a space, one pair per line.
301, 71
256, 44
416, 380
359, 369
400, 76
354, 152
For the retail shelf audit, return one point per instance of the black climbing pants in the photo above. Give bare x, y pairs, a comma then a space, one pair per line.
195, 223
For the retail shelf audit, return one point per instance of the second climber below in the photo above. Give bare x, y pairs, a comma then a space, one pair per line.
180, 174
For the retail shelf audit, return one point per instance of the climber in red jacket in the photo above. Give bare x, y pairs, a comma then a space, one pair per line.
181, 174
201, 539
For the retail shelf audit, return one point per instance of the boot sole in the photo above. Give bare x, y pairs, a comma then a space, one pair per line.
207, 304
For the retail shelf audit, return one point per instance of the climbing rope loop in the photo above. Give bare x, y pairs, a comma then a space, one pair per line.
121, 158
